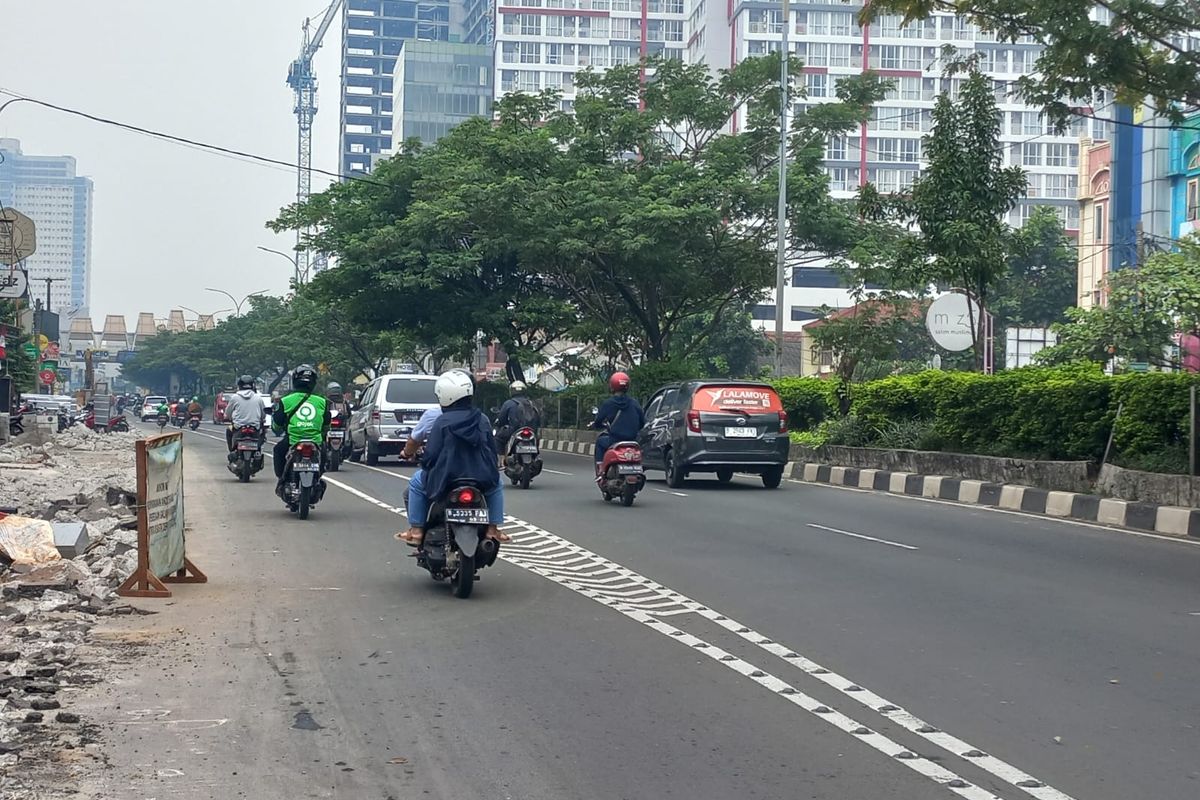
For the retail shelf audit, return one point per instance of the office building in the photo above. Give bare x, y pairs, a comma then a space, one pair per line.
439, 85
48, 191
373, 32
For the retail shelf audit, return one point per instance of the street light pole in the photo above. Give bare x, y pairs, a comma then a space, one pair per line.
237, 305
295, 262
781, 212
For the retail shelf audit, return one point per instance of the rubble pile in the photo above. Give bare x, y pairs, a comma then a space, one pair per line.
48, 609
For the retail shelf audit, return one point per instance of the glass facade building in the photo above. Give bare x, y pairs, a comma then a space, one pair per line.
439, 85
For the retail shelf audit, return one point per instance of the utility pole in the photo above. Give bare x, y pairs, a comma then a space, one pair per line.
48, 281
781, 213
1140, 240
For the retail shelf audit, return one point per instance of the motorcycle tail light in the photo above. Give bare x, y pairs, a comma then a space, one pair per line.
336, 422
693, 421
306, 449
465, 496
526, 433
248, 431
629, 454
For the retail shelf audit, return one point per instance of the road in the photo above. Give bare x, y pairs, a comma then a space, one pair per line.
710, 643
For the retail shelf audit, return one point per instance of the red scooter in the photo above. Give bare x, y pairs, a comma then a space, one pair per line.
621, 472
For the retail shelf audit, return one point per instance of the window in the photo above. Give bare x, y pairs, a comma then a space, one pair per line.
508, 53
1031, 154
816, 84
886, 149
761, 311
910, 150
1098, 223
841, 23
841, 179
766, 22
1193, 199
818, 54
818, 24
889, 57
1062, 155
839, 55
1062, 186
531, 53
531, 25
1033, 185
835, 149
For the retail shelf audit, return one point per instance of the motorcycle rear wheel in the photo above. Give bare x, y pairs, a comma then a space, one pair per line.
627, 496
526, 476
243, 471
463, 580
305, 500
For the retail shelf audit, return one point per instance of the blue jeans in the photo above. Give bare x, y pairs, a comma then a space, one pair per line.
603, 442
418, 502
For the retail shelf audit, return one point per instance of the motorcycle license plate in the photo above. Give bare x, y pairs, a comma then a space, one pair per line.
247, 446
629, 469
467, 516
741, 433
526, 448
335, 436
306, 467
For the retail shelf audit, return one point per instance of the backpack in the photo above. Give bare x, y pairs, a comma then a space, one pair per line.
525, 414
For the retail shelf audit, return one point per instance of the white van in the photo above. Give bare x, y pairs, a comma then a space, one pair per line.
391, 407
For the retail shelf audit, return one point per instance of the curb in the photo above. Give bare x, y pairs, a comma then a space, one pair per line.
1149, 517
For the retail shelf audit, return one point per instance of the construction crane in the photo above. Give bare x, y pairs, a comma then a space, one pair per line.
303, 81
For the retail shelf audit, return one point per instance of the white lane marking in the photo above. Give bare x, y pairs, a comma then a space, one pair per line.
861, 536
362, 495
556, 472
1026, 514
310, 589
399, 475
668, 491
665, 602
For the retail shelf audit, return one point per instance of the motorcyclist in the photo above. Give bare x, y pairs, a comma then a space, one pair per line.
302, 415
460, 446
518, 411
245, 409
619, 417
181, 411
337, 402
163, 410
194, 407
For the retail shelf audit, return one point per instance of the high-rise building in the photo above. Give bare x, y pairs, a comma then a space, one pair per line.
372, 34
887, 150
438, 85
47, 190
542, 44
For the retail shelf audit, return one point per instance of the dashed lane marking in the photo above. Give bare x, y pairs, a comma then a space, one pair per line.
861, 536
641, 599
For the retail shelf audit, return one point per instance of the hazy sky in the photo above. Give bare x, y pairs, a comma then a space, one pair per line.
168, 220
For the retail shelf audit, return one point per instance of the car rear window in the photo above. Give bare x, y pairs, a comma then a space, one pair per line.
746, 399
153, 401
402, 390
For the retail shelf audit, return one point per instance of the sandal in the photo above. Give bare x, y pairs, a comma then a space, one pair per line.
412, 538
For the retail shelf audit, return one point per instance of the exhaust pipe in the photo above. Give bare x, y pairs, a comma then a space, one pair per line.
488, 549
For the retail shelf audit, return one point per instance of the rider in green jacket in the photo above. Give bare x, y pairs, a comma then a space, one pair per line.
303, 415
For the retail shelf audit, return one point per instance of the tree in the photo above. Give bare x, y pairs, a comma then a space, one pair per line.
17, 364
1146, 307
731, 349
1039, 284
1137, 48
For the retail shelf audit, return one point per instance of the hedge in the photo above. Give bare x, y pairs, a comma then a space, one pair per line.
1062, 413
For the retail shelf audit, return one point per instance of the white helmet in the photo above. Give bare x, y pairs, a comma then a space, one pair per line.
453, 386
516, 387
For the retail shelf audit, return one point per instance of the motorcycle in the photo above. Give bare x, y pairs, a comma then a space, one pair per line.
523, 461
247, 456
194, 421
179, 421
302, 485
335, 441
163, 419
15, 420
621, 472
118, 424
456, 545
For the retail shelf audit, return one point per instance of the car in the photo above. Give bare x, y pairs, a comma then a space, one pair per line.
219, 404
150, 406
716, 426
391, 407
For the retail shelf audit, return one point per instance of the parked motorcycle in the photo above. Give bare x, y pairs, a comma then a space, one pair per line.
302, 485
622, 474
118, 424
456, 544
523, 461
194, 421
247, 456
16, 420
335, 441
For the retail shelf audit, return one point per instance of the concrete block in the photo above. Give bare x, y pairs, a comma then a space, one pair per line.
1111, 512
968, 491
810, 470
70, 538
823, 471
897, 480
1011, 496
1173, 520
837, 475
1058, 504
932, 486
866, 478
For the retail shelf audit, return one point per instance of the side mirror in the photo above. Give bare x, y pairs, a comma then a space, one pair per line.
595, 411
495, 409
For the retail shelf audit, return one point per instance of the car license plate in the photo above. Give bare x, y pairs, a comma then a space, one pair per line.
468, 516
741, 433
527, 448
629, 469
247, 446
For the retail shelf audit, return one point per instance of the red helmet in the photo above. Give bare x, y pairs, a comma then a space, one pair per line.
619, 382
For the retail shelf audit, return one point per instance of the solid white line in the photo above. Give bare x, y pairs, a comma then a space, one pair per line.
861, 536
399, 475
922, 765
668, 491
556, 472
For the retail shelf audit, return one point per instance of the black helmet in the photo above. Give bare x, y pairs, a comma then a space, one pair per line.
245, 382
304, 378
333, 387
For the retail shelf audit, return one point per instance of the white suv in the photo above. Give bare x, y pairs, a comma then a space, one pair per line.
391, 407
150, 408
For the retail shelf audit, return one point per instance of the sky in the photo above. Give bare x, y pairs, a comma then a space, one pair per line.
170, 221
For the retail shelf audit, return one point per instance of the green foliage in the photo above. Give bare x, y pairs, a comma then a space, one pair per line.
1039, 284
807, 401
649, 376
1136, 51
906, 434
17, 364
1145, 308
729, 347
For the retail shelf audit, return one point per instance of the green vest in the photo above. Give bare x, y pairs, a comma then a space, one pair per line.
308, 420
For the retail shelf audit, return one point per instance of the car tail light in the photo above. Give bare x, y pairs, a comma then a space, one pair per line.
465, 496
375, 416
526, 433
693, 418
306, 449
783, 422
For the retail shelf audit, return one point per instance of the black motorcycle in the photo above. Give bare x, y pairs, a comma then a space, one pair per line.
247, 456
456, 545
163, 419
302, 484
16, 420
335, 441
523, 461
194, 421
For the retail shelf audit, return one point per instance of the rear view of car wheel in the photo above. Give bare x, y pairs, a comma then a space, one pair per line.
725, 475
674, 472
772, 477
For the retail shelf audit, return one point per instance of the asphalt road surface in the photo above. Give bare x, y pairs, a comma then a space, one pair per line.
710, 643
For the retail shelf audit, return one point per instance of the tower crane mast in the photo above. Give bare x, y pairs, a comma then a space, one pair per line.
303, 81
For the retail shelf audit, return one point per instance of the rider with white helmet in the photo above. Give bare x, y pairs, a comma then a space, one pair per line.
459, 446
